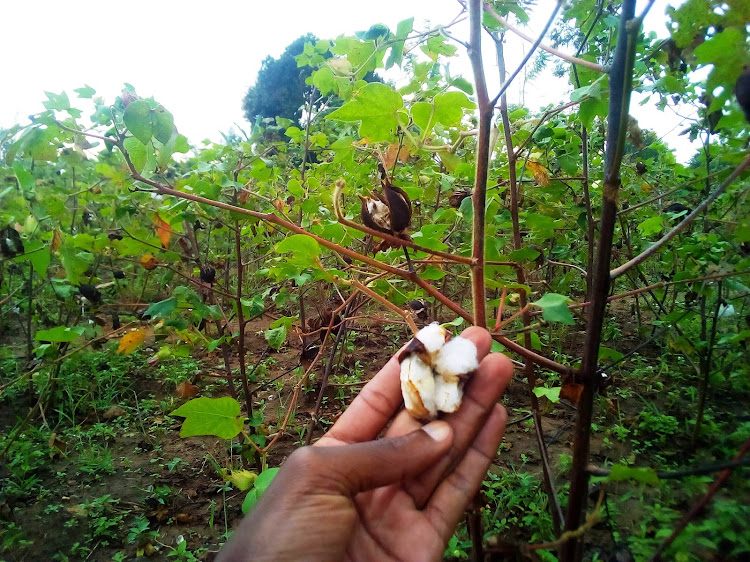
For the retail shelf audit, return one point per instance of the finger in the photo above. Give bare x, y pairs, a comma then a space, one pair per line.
481, 394
371, 410
451, 498
403, 423
359, 467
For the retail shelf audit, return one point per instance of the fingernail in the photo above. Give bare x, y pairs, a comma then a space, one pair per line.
437, 430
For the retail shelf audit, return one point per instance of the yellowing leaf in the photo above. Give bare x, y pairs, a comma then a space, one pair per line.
646, 187
130, 341
541, 175
56, 240
149, 262
163, 230
395, 150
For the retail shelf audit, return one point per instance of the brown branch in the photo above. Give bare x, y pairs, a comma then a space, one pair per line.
479, 196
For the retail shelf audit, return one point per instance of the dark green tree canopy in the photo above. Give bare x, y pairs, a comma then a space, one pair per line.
279, 90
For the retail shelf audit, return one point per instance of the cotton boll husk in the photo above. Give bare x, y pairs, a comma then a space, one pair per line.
418, 388
456, 358
448, 393
433, 337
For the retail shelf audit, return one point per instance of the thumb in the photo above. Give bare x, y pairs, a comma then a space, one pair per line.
351, 469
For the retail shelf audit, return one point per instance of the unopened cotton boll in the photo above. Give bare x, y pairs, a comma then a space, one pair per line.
418, 388
457, 357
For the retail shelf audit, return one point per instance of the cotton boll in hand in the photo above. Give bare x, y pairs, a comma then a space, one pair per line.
433, 371
418, 388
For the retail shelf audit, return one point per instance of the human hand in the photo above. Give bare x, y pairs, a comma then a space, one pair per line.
353, 496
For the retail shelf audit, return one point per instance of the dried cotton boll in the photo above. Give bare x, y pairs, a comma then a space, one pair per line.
418, 388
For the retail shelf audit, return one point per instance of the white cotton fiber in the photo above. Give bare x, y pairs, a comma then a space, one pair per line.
433, 337
418, 388
448, 393
457, 357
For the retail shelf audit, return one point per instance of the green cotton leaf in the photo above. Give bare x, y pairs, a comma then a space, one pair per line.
25, 178
58, 102
722, 48
213, 344
295, 188
524, 254
250, 500
210, 416
324, 80
376, 106
651, 226
555, 308
137, 152
276, 337
607, 354
137, 118
536, 342
39, 256
462, 84
87, 92
551, 394
59, 334
145, 122
449, 108
397, 49
644, 475
421, 114
265, 478
163, 124
455, 322
75, 263
161, 309
251, 308
305, 249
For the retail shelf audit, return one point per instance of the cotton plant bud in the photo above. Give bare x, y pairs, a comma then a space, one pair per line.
433, 371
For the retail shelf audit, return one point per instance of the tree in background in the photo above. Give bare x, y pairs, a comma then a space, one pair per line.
279, 90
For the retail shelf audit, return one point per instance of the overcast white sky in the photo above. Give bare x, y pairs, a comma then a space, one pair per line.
198, 58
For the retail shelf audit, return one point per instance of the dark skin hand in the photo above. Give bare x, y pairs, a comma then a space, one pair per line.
352, 496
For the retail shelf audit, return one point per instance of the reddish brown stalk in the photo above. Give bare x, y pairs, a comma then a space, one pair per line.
621, 80
479, 196
500, 309
521, 278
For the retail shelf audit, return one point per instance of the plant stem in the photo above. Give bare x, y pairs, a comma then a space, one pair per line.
621, 78
479, 196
